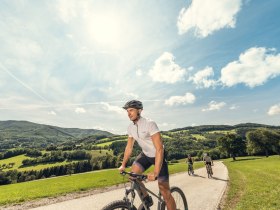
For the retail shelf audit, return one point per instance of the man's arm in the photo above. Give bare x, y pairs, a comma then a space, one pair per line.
127, 152
156, 138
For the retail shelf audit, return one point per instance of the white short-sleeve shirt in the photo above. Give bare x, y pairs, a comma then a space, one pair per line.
142, 131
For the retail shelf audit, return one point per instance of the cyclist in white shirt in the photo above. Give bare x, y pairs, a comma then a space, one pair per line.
208, 161
147, 135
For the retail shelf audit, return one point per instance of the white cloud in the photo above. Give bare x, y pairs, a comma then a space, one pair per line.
254, 67
80, 110
233, 107
274, 110
166, 70
111, 108
207, 16
188, 98
67, 9
139, 72
201, 78
52, 113
99, 128
213, 105
132, 95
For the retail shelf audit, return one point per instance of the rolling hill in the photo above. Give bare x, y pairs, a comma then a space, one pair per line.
20, 133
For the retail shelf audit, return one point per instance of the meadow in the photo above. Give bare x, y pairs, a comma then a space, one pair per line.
17, 160
254, 183
20, 192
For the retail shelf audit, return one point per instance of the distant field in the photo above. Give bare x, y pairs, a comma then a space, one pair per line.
103, 152
254, 183
16, 193
198, 136
107, 143
224, 131
18, 161
18, 164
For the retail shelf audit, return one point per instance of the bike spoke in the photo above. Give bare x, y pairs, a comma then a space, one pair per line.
179, 201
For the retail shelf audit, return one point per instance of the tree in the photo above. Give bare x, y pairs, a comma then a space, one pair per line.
263, 140
232, 144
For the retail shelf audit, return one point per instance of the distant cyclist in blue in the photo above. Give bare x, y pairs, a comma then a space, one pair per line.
147, 135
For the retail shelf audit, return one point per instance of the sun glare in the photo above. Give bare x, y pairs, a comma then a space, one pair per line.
106, 30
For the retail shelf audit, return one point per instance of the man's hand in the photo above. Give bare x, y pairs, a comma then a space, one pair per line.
121, 168
152, 176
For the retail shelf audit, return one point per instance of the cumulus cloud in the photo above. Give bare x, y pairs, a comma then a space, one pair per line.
80, 110
201, 78
111, 108
274, 110
166, 70
207, 16
188, 98
254, 67
213, 105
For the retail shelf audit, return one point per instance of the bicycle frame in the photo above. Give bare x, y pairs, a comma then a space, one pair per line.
209, 170
135, 185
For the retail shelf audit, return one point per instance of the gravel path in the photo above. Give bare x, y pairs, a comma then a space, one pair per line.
202, 193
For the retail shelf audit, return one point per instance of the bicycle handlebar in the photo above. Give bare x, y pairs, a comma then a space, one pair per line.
138, 176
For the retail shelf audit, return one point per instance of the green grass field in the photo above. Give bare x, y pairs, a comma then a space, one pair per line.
233, 131
107, 143
20, 192
198, 136
254, 183
18, 161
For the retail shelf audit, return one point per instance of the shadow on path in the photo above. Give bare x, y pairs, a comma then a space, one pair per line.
216, 178
196, 175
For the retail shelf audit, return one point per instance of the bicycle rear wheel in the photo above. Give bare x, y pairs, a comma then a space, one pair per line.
189, 171
209, 171
179, 197
119, 205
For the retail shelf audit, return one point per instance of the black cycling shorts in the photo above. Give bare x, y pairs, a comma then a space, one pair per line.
208, 163
144, 162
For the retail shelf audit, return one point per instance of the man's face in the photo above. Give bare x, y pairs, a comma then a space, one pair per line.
133, 113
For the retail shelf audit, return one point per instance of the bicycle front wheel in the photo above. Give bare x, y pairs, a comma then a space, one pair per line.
121, 205
179, 197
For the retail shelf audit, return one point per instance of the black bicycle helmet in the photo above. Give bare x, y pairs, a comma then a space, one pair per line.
133, 104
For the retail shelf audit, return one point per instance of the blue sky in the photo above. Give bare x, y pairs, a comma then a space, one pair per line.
75, 63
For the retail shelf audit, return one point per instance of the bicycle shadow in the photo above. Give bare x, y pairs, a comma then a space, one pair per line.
196, 175
216, 178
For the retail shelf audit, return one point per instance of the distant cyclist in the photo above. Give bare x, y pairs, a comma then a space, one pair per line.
190, 162
208, 161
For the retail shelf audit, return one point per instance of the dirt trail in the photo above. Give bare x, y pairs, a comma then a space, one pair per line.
202, 193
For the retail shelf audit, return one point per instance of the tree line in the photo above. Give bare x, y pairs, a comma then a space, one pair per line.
95, 163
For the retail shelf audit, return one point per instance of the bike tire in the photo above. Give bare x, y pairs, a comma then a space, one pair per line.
189, 171
179, 197
120, 204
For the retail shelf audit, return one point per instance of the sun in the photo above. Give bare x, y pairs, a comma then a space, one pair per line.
106, 29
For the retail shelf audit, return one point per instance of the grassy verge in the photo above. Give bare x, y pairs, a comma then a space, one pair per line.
254, 183
20, 192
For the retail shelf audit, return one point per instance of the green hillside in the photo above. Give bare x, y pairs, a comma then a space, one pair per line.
27, 134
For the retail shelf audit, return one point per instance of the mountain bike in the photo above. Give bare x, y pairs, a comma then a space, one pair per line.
190, 169
128, 200
209, 170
